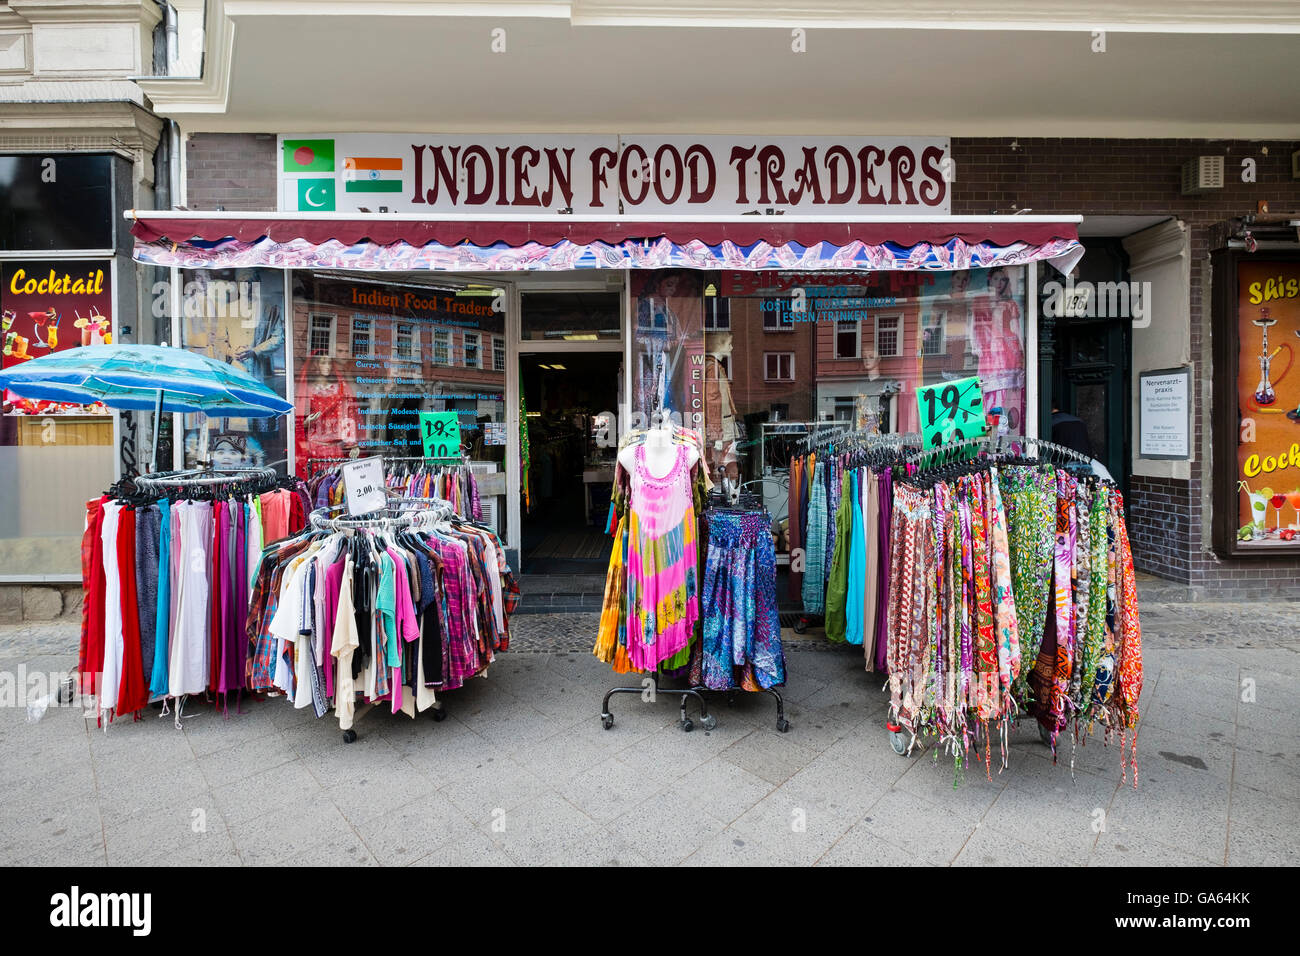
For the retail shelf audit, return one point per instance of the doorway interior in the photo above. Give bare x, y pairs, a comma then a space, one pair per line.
572, 449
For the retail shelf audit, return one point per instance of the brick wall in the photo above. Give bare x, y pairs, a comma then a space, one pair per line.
232, 171
1065, 176
1160, 525
1142, 177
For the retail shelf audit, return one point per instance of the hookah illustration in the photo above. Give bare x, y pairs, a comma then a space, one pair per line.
1264, 393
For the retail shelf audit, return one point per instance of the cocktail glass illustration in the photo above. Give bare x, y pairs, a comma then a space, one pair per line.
52, 335
7, 320
1258, 511
38, 323
1293, 499
1277, 501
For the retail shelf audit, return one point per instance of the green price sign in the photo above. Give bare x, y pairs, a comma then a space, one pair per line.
951, 411
441, 434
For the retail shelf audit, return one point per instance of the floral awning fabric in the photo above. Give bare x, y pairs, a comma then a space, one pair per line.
223, 243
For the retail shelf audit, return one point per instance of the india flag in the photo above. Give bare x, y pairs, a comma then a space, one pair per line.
372, 174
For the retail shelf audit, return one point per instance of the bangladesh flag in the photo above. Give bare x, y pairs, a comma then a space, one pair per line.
309, 155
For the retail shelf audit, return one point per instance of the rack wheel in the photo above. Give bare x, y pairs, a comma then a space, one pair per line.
687, 726
783, 725
607, 721
1044, 735
66, 687
349, 736
439, 715
800, 625
709, 722
898, 742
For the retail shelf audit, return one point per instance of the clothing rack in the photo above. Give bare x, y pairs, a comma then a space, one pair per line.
707, 720
258, 479
748, 502
392, 518
993, 450
329, 463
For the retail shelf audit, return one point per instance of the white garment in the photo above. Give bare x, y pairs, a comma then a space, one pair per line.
344, 645
253, 543
114, 644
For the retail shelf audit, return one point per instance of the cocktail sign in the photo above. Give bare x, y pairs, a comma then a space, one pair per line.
951, 411
363, 485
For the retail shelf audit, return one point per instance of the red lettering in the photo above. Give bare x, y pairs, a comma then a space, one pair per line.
866, 173
624, 174
935, 186
696, 155
521, 176
674, 174
771, 165
474, 196
902, 162
418, 163
602, 160
740, 157
563, 174
806, 178
840, 196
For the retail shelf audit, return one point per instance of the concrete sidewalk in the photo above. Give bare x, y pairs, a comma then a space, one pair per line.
522, 772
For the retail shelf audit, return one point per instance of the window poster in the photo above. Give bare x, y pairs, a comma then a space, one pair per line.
1268, 402
49, 306
236, 316
373, 356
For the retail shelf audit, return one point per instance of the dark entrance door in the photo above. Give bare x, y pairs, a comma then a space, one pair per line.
1090, 369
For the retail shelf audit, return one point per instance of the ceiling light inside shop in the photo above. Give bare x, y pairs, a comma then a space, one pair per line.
559, 368
583, 337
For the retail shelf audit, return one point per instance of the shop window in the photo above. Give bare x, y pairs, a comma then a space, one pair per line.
846, 339
320, 332
58, 201
717, 315
933, 336
778, 366
441, 348
363, 343
498, 354
579, 317
406, 341
889, 336
845, 408
473, 357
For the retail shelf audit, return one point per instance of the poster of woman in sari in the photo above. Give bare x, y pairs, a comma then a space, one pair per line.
326, 412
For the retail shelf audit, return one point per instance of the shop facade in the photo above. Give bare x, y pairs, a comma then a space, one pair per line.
550, 338
1139, 306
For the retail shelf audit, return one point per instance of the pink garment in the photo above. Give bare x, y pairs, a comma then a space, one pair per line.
275, 516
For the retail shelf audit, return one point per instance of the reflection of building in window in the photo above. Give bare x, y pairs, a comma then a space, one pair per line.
441, 348
889, 336
363, 343
846, 408
498, 354
933, 333
724, 364
406, 341
777, 316
472, 348
717, 315
778, 366
846, 339
320, 333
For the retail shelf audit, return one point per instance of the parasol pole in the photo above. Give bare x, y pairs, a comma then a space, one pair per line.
157, 426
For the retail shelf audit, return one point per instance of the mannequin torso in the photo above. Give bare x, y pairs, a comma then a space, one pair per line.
660, 453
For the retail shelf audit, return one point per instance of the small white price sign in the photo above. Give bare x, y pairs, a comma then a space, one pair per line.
363, 485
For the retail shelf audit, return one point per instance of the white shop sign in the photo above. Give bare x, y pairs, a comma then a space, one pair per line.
363, 485
538, 175
1164, 413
